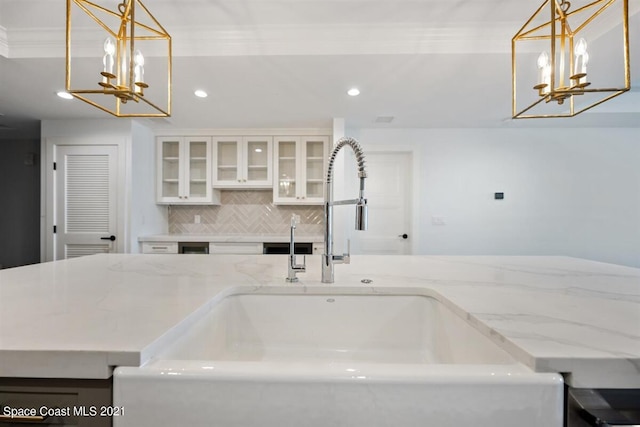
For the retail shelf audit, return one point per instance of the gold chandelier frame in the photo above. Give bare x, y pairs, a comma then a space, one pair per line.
128, 31
560, 90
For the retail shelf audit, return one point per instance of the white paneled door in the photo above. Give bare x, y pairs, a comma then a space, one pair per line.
388, 190
86, 187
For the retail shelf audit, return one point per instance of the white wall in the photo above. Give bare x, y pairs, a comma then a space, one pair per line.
572, 192
146, 217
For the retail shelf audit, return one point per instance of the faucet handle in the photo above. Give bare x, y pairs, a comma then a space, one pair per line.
298, 267
347, 256
304, 262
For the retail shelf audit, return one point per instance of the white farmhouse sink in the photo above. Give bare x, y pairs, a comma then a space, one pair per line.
330, 328
327, 356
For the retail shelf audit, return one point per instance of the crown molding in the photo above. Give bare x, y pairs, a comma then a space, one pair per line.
339, 39
171, 131
36, 43
279, 40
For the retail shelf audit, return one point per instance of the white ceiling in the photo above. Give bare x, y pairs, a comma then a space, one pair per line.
289, 63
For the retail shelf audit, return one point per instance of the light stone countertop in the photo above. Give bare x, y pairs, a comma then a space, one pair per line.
231, 238
81, 317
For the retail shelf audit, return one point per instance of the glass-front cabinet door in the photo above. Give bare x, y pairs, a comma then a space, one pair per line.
287, 170
184, 170
316, 159
169, 169
257, 161
242, 162
227, 159
299, 167
198, 184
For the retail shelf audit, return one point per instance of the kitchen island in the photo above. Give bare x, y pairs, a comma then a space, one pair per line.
81, 318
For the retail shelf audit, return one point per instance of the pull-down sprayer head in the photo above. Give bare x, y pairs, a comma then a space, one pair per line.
362, 215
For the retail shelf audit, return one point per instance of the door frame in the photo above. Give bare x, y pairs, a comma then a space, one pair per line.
413, 192
48, 186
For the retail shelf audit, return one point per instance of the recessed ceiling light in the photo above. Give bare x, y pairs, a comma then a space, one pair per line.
200, 93
64, 95
354, 91
258, 150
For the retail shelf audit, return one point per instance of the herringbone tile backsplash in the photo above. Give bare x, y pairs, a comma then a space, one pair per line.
245, 212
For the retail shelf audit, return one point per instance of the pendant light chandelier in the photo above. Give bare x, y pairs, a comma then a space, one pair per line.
569, 58
115, 75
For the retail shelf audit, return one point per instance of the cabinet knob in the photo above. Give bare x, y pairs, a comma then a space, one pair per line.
239, 181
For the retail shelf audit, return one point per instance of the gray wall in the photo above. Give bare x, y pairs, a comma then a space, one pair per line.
20, 210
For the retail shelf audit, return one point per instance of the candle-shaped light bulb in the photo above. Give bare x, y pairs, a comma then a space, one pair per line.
581, 59
581, 47
543, 59
138, 70
544, 71
109, 46
107, 59
138, 58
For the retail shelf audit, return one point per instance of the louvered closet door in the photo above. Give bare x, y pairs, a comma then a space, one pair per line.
86, 190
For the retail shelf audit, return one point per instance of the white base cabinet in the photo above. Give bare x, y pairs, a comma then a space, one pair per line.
160, 247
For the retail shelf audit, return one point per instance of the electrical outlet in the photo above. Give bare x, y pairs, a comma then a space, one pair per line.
196, 219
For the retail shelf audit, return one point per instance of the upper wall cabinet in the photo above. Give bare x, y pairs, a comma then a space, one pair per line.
184, 171
242, 162
299, 168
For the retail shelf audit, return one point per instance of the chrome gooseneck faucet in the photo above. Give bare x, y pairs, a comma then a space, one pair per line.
328, 258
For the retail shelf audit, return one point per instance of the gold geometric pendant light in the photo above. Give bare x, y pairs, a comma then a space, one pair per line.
568, 58
121, 58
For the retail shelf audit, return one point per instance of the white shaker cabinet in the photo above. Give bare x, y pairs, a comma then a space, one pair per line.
299, 169
184, 171
242, 162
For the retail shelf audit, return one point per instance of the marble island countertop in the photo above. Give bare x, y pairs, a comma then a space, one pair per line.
79, 318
